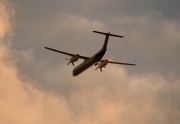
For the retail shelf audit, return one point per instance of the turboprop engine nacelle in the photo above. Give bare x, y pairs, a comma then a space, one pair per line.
74, 59
102, 64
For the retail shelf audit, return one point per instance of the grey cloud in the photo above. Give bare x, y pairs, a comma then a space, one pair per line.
149, 41
152, 38
52, 23
102, 10
168, 8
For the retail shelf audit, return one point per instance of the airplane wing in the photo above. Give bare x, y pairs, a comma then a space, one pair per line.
69, 54
121, 63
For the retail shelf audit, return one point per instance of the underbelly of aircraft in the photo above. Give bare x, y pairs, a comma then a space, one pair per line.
82, 67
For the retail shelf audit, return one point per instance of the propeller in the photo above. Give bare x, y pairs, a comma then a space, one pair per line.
99, 68
73, 59
102, 64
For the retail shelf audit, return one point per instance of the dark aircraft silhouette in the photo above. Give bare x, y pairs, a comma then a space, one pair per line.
94, 60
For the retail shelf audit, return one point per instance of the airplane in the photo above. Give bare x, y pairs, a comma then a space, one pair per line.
94, 60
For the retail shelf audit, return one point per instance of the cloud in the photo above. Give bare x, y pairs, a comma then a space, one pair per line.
20, 101
152, 42
4, 21
113, 96
116, 97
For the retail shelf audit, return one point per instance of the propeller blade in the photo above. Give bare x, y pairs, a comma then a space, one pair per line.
72, 63
96, 64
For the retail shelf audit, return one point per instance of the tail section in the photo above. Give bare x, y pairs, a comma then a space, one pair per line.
108, 34
107, 37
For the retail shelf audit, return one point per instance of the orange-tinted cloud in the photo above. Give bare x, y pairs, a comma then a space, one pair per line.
20, 102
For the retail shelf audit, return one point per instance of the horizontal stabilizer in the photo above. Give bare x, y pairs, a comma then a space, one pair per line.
108, 34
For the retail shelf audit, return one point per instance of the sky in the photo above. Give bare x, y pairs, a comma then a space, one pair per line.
37, 86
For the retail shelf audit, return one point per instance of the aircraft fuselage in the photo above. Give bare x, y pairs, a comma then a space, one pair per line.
89, 62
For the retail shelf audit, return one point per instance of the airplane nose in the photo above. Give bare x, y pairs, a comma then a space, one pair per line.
74, 73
